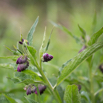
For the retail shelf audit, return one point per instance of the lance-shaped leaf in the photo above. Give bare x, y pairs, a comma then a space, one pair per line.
30, 34
95, 36
10, 57
30, 81
82, 31
94, 21
7, 66
46, 48
71, 94
66, 31
30, 100
32, 51
11, 100
15, 80
33, 74
77, 60
42, 50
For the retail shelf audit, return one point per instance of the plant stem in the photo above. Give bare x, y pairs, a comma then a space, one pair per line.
57, 97
91, 85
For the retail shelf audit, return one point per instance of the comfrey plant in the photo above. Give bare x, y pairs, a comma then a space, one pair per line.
29, 70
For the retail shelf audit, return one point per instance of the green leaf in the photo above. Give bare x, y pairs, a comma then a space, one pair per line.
95, 37
94, 21
77, 60
32, 51
34, 75
29, 81
7, 66
42, 50
22, 76
64, 65
48, 41
66, 31
10, 57
85, 95
30, 100
30, 34
15, 80
11, 100
71, 94
83, 32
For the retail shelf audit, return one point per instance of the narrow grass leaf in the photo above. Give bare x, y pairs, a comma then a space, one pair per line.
95, 37
30, 34
77, 60
71, 94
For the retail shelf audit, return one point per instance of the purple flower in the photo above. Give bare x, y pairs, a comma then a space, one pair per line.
23, 66
33, 89
21, 42
28, 91
21, 59
79, 87
101, 68
47, 57
41, 89
84, 47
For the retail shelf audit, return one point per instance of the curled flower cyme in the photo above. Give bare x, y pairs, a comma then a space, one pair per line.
23, 66
47, 57
21, 59
33, 89
41, 89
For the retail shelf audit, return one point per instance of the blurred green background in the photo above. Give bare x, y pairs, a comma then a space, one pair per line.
17, 16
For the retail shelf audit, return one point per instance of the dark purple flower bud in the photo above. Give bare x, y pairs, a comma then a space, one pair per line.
79, 87
23, 66
84, 47
21, 59
28, 91
101, 68
21, 42
41, 89
47, 57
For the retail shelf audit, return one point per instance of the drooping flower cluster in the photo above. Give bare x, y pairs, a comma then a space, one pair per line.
47, 57
33, 89
22, 63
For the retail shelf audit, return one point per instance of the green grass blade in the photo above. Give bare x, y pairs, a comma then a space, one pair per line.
77, 60
30, 34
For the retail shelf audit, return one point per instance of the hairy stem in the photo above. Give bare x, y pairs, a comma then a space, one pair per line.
55, 93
